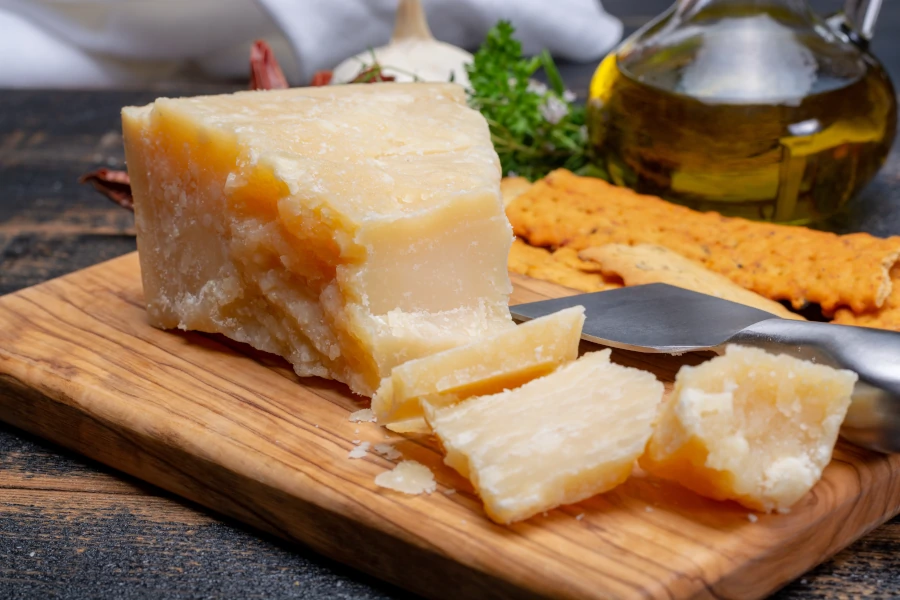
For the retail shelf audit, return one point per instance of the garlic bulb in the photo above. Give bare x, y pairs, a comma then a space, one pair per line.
413, 53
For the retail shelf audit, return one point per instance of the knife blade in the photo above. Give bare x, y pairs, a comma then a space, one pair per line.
661, 318
652, 318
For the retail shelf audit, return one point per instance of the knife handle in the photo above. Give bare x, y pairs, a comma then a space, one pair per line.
873, 420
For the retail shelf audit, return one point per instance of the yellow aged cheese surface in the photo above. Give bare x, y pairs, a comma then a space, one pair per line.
556, 440
502, 361
346, 228
750, 426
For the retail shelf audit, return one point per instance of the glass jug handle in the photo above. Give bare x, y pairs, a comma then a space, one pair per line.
857, 21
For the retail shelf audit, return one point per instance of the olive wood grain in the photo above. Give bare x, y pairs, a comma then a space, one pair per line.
238, 432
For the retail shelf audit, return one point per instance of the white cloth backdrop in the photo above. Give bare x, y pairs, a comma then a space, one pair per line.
107, 43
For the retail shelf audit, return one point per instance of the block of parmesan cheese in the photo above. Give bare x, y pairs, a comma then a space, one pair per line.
490, 365
750, 426
346, 228
556, 440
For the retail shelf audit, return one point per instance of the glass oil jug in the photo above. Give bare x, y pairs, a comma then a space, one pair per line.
753, 108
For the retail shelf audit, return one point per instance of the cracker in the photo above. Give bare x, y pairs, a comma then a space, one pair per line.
646, 263
523, 257
513, 187
570, 258
775, 261
561, 267
886, 317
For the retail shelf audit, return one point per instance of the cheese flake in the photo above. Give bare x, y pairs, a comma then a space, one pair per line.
386, 451
409, 477
362, 416
490, 365
556, 440
359, 451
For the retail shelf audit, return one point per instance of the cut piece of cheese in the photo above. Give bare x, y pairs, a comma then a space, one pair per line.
490, 365
346, 228
556, 440
750, 426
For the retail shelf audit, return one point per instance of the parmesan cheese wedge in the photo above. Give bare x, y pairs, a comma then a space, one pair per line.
346, 228
502, 361
750, 426
556, 440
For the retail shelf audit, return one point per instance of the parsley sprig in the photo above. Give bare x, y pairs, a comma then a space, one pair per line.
534, 128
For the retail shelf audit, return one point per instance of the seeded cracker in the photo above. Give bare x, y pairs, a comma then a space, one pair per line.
513, 187
775, 261
886, 317
646, 263
562, 267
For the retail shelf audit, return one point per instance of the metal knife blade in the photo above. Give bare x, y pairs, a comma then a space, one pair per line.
652, 318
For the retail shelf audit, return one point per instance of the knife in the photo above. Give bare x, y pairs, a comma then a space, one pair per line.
666, 319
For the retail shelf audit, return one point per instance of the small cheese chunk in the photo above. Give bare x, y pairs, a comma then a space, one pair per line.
346, 228
750, 426
556, 440
387, 451
360, 451
409, 477
503, 361
364, 415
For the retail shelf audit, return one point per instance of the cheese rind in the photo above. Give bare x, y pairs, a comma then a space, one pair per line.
502, 361
348, 228
750, 426
557, 440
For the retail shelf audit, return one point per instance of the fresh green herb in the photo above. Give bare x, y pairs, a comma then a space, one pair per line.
535, 128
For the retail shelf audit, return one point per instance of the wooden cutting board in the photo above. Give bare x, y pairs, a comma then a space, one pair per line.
238, 432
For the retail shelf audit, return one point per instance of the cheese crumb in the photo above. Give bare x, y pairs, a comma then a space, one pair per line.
752, 518
387, 451
364, 415
579, 517
409, 477
359, 451
449, 492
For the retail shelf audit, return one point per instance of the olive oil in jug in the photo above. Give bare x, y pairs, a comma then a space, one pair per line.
760, 112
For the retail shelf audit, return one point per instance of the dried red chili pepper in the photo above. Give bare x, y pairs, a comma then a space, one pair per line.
265, 72
320, 78
115, 185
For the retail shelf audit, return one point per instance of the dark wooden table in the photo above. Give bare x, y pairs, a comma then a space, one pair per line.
71, 528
